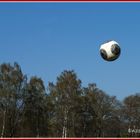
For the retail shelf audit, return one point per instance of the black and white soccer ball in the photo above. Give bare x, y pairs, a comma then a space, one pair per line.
110, 50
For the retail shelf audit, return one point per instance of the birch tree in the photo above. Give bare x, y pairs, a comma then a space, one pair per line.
12, 83
67, 90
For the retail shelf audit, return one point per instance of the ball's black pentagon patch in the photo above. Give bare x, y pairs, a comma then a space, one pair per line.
115, 49
103, 54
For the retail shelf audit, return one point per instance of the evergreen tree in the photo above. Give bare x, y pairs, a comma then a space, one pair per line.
34, 122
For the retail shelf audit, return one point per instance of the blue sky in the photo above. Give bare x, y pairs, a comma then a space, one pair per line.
47, 38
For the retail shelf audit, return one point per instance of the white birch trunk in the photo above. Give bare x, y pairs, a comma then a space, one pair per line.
3, 124
64, 134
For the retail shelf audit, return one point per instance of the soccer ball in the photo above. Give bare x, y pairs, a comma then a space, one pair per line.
110, 50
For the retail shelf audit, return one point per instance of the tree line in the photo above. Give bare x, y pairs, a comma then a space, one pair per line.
62, 109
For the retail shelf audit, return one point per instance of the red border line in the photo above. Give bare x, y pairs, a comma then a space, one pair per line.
98, 138
69, 138
75, 1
